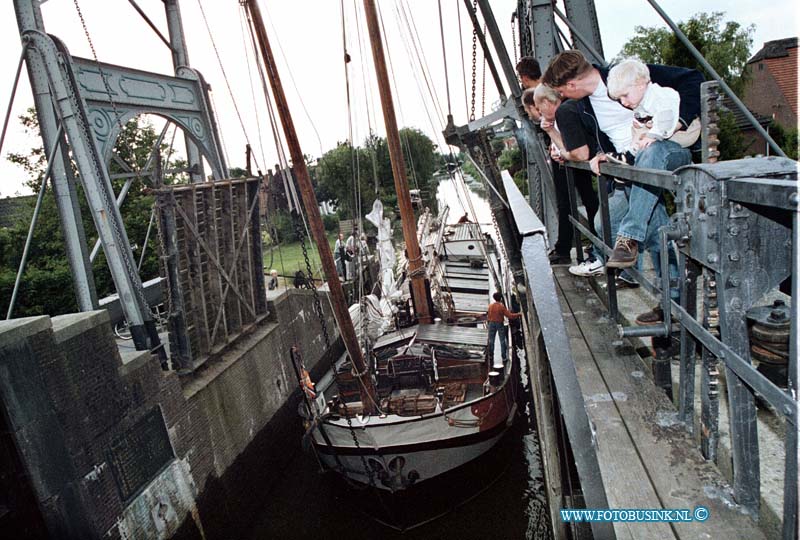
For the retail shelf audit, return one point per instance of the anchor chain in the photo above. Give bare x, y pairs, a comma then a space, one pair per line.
327, 340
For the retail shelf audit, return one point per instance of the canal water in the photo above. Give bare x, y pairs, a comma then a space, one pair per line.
498, 496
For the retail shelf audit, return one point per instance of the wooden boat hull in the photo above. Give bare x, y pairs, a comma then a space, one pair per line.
403, 451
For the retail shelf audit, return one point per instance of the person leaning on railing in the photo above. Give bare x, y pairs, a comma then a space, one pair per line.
548, 101
579, 139
574, 77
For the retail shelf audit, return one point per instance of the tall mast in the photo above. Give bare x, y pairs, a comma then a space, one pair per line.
415, 266
340, 312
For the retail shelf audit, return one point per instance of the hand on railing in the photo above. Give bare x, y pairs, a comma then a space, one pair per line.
555, 153
594, 163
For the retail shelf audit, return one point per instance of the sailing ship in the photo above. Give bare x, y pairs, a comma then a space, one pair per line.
429, 396
442, 398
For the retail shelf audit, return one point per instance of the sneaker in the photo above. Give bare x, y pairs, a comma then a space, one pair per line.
587, 268
558, 258
624, 281
652, 317
626, 250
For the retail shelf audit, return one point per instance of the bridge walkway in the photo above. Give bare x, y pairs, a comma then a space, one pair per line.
646, 457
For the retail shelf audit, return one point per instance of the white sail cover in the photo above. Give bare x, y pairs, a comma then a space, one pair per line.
386, 254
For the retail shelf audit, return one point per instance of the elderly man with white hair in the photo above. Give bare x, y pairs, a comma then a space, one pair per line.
547, 102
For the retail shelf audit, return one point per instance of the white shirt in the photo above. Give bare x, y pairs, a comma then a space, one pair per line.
663, 105
613, 119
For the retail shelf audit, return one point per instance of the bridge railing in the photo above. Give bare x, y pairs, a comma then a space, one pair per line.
737, 224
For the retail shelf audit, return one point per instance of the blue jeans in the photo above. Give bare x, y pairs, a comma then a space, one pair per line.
643, 200
617, 209
496, 328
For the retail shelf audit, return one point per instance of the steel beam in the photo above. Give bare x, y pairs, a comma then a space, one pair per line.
545, 40
500, 48
29, 17
584, 28
180, 59
71, 111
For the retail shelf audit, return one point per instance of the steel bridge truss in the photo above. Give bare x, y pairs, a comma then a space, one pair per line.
85, 103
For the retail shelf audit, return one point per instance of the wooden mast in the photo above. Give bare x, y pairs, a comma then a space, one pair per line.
415, 266
340, 312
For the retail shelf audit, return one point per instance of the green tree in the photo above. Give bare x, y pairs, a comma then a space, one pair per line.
46, 287
337, 171
340, 169
787, 139
725, 46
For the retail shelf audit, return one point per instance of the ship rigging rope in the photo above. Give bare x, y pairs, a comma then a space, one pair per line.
356, 177
403, 138
247, 53
465, 205
317, 304
444, 59
369, 100
283, 164
291, 77
463, 64
408, 17
410, 55
224, 76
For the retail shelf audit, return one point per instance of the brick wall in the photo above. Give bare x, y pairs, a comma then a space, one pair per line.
70, 394
764, 95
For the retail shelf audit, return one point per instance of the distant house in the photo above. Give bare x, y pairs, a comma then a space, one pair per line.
15, 209
772, 89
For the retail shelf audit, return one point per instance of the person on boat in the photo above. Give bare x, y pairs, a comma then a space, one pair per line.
495, 317
307, 384
339, 257
547, 102
273, 280
351, 248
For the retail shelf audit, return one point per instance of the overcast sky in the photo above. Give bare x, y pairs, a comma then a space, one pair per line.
307, 36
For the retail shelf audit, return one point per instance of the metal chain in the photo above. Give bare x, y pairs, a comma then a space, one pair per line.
327, 340
137, 287
474, 64
710, 363
81, 121
97, 62
514, 37
483, 81
482, 160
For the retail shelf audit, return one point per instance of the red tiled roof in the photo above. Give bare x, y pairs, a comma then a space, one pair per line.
784, 70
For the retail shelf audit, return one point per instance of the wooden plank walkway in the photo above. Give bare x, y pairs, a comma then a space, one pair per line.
647, 459
468, 302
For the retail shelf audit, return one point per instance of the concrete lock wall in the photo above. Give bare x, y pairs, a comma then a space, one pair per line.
114, 447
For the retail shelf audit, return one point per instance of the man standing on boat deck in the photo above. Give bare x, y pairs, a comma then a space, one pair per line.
496, 319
